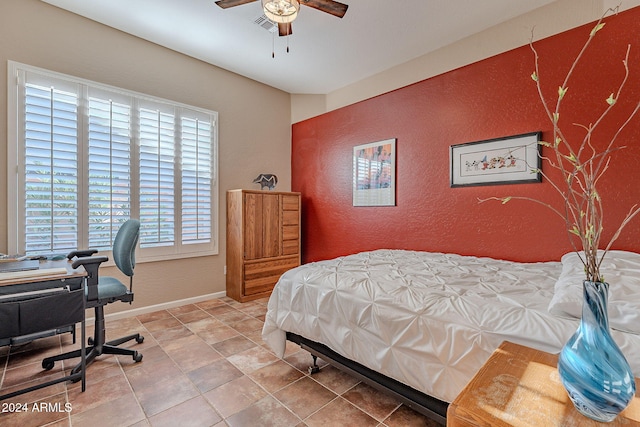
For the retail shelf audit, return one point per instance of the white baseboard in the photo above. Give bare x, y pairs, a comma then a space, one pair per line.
157, 307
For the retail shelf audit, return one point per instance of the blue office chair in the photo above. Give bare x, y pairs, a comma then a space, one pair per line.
101, 291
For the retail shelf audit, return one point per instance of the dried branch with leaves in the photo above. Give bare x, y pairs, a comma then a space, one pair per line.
581, 166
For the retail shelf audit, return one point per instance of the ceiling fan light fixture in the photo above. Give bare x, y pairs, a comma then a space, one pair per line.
281, 11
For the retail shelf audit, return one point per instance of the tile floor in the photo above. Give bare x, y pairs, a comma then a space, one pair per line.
204, 364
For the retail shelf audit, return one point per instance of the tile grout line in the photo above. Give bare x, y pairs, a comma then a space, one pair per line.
200, 393
268, 393
126, 377
307, 375
232, 313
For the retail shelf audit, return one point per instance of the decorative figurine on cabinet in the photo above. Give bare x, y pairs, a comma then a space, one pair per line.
266, 180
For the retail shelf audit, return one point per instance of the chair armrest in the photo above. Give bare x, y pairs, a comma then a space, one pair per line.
89, 262
81, 253
91, 265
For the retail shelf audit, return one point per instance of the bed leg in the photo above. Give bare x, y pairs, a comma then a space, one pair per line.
314, 369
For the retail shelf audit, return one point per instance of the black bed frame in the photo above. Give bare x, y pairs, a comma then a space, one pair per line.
428, 406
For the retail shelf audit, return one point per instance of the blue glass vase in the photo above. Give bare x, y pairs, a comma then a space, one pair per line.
592, 368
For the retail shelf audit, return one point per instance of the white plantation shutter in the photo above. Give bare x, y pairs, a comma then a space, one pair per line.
157, 185
50, 185
95, 156
197, 175
109, 170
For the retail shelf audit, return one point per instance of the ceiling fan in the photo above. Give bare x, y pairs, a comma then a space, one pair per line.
283, 12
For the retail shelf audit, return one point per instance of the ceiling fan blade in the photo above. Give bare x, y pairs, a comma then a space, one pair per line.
285, 29
225, 4
329, 6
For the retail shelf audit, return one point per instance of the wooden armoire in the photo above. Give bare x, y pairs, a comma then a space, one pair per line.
263, 240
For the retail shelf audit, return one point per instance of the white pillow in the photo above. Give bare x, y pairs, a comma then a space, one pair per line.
621, 270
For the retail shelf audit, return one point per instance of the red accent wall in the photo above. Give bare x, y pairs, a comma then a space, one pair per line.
489, 99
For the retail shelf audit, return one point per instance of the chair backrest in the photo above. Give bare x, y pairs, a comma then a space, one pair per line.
124, 246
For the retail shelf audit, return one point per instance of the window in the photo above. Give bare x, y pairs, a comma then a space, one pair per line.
87, 157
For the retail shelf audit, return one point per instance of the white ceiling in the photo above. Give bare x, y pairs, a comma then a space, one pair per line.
326, 53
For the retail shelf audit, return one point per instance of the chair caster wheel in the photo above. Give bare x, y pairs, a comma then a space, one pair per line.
140, 339
137, 357
48, 364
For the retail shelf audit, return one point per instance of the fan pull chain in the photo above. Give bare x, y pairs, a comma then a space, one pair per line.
273, 44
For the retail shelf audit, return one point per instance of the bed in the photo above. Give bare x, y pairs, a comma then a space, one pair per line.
420, 324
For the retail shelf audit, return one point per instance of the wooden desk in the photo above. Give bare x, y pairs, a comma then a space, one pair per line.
49, 270
520, 386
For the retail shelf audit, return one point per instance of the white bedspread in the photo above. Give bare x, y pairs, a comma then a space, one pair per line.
428, 320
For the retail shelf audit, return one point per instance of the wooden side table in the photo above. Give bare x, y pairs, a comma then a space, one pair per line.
520, 386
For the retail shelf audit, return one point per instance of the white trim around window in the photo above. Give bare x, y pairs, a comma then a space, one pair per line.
84, 157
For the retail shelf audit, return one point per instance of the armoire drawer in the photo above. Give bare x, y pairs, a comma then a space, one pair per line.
260, 276
291, 247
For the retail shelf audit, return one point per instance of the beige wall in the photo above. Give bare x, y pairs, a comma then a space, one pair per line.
254, 119
552, 19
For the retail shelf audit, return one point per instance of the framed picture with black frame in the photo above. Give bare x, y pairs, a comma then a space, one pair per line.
508, 160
